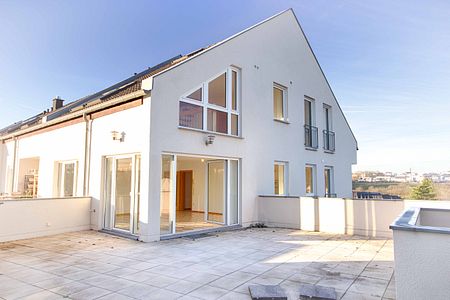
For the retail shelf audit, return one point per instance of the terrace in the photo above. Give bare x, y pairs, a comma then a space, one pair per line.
93, 265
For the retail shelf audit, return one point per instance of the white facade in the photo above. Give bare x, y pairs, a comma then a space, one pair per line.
274, 52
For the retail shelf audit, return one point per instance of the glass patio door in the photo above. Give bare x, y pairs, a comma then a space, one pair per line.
216, 191
122, 193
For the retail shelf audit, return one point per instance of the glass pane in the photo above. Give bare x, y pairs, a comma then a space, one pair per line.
233, 90
327, 181
167, 193
234, 124
308, 119
191, 115
327, 119
309, 180
279, 179
137, 193
108, 192
278, 104
197, 95
216, 191
122, 203
234, 202
217, 121
217, 91
69, 176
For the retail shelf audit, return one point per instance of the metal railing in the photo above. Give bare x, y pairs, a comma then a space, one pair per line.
329, 140
311, 137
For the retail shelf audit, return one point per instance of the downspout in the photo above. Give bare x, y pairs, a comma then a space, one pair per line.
87, 153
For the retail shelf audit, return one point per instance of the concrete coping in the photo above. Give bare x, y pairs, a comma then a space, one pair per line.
407, 221
279, 196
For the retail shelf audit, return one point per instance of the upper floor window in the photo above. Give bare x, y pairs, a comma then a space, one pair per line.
311, 132
328, 133
214, 106
279, 102
280, 170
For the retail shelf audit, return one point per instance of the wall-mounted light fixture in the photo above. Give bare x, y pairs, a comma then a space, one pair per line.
118, 136
209, 140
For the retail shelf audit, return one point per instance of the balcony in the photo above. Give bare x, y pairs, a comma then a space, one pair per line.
311, 137
328, 140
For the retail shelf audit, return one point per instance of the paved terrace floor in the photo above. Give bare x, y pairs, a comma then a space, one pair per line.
92, 265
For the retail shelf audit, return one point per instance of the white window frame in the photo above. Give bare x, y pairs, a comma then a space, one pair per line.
331, 179
284, 89
61, 177
314, 179
228, 109
313, 111
285, 165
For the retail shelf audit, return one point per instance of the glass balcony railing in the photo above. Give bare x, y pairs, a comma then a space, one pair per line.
311, 137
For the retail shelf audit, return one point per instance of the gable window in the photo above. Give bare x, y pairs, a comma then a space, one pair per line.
279, 102
311, 132
328, 133
66, 180
280, 170
310, 174
214, 106
329, 188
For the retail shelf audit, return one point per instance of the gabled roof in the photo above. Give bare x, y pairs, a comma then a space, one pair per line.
134, 83
124, 87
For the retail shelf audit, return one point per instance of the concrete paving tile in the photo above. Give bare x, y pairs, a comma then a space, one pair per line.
90, 293
183, 286
137, 290
43, 295
207, 292
369, 286
162, 294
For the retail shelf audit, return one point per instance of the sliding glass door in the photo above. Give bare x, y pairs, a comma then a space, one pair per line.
122, 185
198, 193
216, 192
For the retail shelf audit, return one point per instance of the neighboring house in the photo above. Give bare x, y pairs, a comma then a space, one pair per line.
191, 143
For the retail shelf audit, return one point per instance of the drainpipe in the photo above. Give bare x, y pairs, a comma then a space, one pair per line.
87, 153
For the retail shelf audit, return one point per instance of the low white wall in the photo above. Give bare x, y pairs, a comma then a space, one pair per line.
279, 211
337, 215
422, 264
28, 218
422, 259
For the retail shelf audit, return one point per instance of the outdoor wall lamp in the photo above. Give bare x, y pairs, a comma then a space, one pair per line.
209, 140
118, 136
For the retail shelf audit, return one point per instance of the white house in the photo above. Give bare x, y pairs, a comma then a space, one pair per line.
191, 143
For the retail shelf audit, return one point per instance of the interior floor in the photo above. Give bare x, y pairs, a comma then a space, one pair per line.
188, 220
122, 221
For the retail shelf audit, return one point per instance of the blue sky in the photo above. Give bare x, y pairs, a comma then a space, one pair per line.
388, 62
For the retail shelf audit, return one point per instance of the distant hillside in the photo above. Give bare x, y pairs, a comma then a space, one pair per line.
401, 189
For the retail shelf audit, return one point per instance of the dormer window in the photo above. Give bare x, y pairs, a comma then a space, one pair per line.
213, 106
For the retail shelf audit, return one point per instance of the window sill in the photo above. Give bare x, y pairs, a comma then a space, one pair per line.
282, 121
310, 148
210, 132
328, 151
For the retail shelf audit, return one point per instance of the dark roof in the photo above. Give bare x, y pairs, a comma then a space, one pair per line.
124, 87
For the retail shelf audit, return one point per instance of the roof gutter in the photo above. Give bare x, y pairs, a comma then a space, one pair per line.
77, 114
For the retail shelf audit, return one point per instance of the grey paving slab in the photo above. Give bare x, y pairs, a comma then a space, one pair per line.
317, 292
90, 264
267, 292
